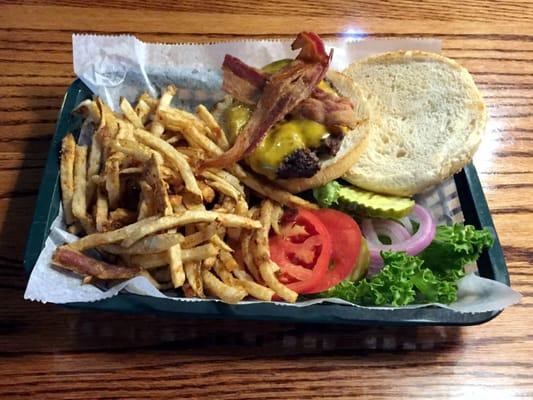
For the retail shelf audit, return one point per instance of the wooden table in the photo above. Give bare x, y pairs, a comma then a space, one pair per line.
51, 352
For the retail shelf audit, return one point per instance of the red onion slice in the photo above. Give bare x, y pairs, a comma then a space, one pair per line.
412, 246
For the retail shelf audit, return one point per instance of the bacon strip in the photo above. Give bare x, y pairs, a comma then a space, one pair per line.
328, 109
243, 82
80, 263
283, 91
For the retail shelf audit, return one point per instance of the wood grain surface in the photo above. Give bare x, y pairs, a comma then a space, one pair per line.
52, 352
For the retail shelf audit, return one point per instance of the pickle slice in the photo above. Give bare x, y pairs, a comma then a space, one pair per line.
371, 204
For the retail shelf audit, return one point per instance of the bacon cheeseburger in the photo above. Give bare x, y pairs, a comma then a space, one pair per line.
293, 121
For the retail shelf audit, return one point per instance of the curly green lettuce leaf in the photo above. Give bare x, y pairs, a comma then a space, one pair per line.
401, 281
453, 247
430, 277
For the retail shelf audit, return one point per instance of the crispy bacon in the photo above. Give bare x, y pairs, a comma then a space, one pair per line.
328, 109
283, 91
243, 82
84, 265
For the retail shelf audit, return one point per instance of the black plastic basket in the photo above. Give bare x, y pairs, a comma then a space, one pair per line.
474, 206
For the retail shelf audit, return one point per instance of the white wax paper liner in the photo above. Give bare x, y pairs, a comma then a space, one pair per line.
114, 66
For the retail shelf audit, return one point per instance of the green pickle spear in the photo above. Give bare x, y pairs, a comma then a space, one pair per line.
361, 202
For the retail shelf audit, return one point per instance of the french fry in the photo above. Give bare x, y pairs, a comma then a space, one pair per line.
168, 222
142, 109
151, 101
112, 182
130, 114
207, 192
75, 228
153, 176
68, 155
119, 218
79, 199
193, 272
156, 260
218, 134
269, 191
132, 148
226, 275
227, 259
226, 189
277, 213
176, 159
107, 118
217, 241
256, 290
222, 176
102, 209
88, 109
196, 238
228, 294
158, 128
101, 238
267, 273
149, 245
247, 255
176, 266
95, 161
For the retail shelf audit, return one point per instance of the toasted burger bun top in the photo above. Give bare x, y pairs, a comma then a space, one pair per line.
428, 118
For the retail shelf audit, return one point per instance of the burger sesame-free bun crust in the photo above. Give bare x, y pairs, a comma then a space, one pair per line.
427, 120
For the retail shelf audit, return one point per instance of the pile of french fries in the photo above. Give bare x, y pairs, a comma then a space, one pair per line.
139, 197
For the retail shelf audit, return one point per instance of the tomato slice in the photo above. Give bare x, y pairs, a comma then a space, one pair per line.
302, 251
346, 247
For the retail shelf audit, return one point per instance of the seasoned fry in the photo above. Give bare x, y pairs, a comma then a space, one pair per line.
277, 213
168, 222
133, 149
218, 134
102, 209
247, 255
112, 182
158, 128
256, 290
267, 273
155, 260
196, 238
88, 109
130, 113
268, 190
207, 192
142, 109
154, 177
95, 161
148, 245
227, 259
101, 238
176, 159
193, 272
119, 218
222, 176
79, 199
107, 118
227, 293
68, 155
217, 241
176, 266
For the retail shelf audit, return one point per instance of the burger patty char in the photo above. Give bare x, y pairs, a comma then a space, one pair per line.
304, 163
